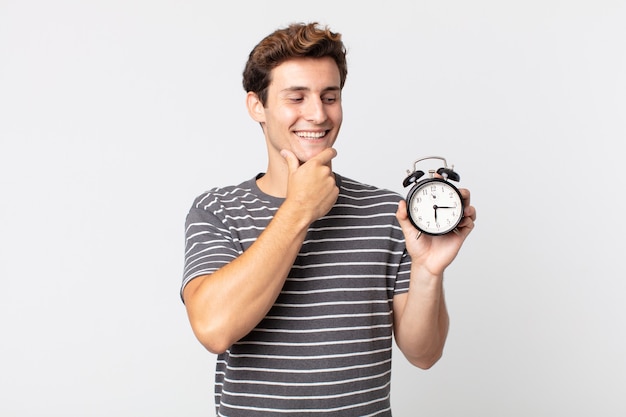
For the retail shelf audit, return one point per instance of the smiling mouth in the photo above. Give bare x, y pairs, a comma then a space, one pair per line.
311, 135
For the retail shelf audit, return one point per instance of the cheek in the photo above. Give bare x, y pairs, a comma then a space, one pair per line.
337, 113
287, 117
338, 118
281, 115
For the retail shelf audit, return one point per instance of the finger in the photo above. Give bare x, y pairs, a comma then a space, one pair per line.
326, 156
465, 194
470, 211
403, 217
465, 226
292, 160
401, 213
409, 231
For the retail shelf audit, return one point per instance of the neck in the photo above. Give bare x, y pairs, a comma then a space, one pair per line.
275, 180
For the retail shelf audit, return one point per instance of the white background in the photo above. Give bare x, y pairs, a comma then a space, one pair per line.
115, 114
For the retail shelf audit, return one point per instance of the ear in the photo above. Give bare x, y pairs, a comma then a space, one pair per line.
255, 107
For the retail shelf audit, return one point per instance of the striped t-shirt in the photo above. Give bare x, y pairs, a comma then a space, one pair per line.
324, 349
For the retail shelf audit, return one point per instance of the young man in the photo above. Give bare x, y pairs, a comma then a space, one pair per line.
299, 278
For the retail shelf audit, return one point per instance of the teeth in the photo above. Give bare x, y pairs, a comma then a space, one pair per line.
312, 135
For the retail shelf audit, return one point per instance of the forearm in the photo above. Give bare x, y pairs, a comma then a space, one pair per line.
226, 305
422, 319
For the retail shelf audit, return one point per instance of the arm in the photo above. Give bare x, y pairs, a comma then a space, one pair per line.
226, 305
420, 316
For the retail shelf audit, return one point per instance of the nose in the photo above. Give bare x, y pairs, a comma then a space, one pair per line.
315, 112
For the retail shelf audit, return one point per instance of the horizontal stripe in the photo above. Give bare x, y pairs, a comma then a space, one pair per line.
318, 344
311, 397
307, 410
310, 384
306, 371
330, 329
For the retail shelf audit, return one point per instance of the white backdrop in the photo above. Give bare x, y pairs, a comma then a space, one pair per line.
115, 114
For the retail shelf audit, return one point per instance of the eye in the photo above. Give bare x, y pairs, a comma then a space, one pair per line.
329, 99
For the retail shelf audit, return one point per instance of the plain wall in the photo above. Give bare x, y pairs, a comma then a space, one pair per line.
115, 114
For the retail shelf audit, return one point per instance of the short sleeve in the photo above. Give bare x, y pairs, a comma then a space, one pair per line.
404, 274
208, 245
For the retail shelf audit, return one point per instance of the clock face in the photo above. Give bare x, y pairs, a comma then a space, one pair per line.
435, 206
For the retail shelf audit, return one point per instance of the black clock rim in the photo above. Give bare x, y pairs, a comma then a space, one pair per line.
419, 185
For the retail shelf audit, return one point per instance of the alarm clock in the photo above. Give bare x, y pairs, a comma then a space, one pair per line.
434, 204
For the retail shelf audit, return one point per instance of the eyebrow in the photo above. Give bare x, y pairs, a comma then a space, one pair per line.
298, 88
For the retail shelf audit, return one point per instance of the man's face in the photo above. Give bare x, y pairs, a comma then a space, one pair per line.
303, 110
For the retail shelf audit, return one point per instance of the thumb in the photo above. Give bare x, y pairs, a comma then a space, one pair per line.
403, 218
291, 159
401, 212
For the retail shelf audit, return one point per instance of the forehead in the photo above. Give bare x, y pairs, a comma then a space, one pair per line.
308, 73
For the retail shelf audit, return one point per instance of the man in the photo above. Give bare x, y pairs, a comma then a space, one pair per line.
299, 278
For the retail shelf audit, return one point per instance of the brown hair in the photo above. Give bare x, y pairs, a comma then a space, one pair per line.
298, 40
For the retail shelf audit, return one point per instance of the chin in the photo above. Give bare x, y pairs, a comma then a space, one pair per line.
308, 152
306, 156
